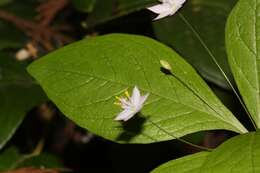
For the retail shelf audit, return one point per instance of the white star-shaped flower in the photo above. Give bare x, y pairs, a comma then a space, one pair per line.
166, 8
131, 105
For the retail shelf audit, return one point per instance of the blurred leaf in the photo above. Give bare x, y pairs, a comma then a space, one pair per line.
12, 159
82, 80
243, 46
240, 154
8, 158
110, 9
84, 5
208, 18
10, 37
24, 9
45, 160
3, 2
18, 94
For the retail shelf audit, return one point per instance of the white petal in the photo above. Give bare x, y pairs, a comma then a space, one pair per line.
175, 2
135, 98
162, 15
125, 115
141, 102
161, 8
144, 98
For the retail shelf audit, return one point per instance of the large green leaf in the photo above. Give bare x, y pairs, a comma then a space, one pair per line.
110, 9
243, 46
240, 154
208, 19
191, 163
18, 95
83, 78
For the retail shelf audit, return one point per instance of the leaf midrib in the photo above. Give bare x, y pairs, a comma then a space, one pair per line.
124, 84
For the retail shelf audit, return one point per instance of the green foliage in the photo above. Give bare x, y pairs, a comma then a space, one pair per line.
191, 163
208, 19
243, 45
10, 37
107, 10
3, 2
8, 158
240, 154
12, 159
84, 5
18, 94
82, 80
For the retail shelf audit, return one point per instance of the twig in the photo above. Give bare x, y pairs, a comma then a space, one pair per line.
41, 33
48, 10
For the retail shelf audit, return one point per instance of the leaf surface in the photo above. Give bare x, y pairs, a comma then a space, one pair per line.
18, 95
207, 19
83, 79
243, 46
243, 149
107, 10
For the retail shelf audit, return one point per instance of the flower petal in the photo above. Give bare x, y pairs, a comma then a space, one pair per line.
162, 15
135, 98
143, 99
160, 8
125, 115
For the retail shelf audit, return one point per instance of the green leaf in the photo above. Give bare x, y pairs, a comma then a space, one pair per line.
110, 9
10, 37
240, 154
3, 2
243, 46
83, 79
8, 157
191, 163
12, 159
208, 19
18, 95
45, 160
84, 5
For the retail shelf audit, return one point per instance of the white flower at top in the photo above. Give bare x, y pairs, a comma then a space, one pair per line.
166, 8
131, 105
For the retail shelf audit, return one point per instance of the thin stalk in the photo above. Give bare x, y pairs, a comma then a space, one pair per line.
219, 67
179, 139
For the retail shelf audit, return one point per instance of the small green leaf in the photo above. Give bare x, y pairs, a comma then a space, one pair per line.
8, 158
208, 19
243, 46
12, 159
84, 5
18, 95
240, 154
83, 79
110, 9
3, 2
44, 160
10, 37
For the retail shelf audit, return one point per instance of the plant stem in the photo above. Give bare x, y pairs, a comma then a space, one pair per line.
219, 67
179, 139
